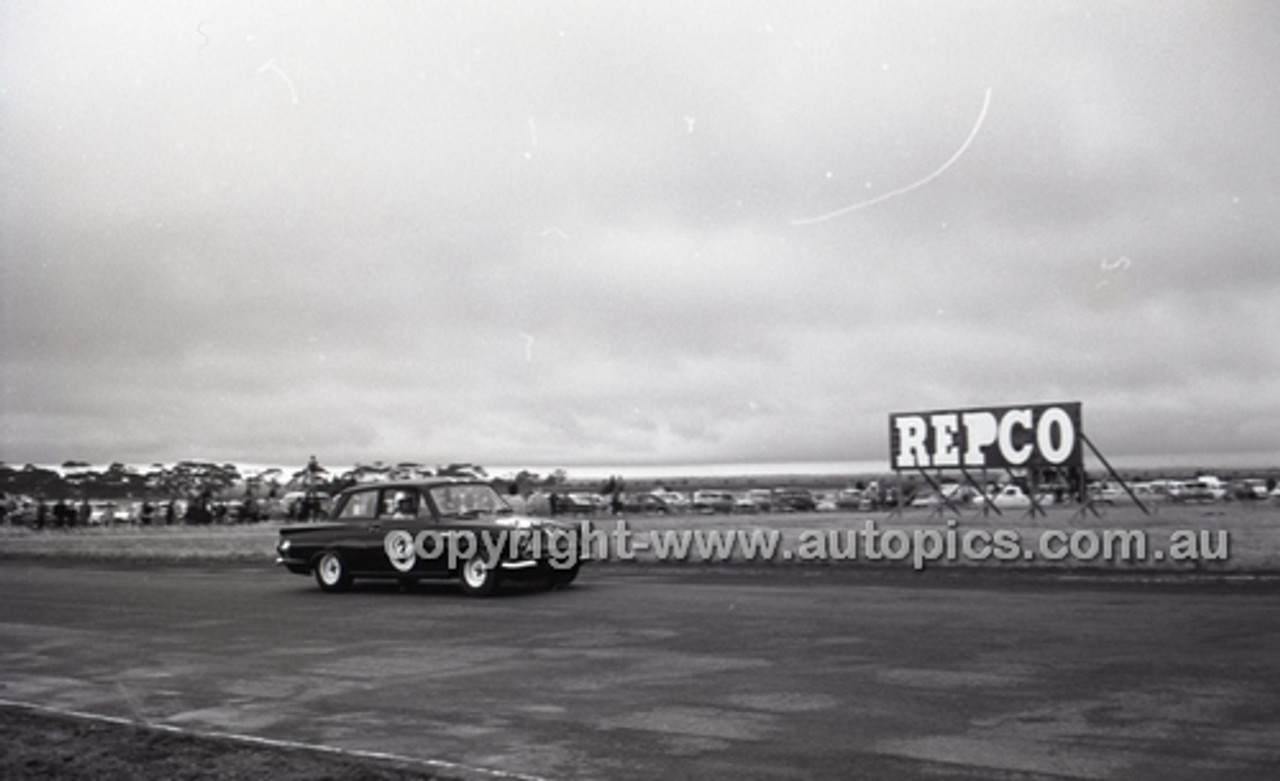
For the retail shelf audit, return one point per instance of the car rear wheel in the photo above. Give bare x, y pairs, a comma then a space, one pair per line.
478, 578
332, 573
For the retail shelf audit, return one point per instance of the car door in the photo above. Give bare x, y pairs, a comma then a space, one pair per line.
402, 515
360, 539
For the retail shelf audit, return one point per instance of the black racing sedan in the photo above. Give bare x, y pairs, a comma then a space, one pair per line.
430, 529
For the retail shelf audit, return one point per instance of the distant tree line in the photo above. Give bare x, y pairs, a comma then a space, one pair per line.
79, 480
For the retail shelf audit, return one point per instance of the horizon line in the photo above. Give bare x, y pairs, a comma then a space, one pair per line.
829, 467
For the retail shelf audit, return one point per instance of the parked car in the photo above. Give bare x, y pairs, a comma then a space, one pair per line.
953, 495
853, 499
1217, 489
1190, 491
582, 502
1010, 497
1013, 497
300, 504
756, 500
1150, 490
1251, 488
380, 530
1107, 493
675, 501
926, 499
646, 503
707, 501
229, 511
794, 500
102, 513
21, 510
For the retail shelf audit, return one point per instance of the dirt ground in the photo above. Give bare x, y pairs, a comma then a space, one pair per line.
43, 746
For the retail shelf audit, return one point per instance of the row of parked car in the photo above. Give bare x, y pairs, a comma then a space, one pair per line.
28, 511
1009, 496
1205, 488
706, 501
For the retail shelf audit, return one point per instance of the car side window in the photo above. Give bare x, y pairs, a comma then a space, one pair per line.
359, 505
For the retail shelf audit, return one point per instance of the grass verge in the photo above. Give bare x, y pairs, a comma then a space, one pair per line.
1252, 531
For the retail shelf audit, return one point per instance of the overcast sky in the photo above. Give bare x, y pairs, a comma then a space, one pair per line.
554, 233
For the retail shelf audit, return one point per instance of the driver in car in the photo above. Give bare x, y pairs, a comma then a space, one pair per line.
404, 508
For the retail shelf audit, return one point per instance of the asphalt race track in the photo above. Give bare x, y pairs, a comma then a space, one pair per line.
681, 672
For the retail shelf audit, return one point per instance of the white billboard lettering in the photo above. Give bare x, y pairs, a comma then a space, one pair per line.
1055, 418
979, 432
912, 450
945, 450
1033, 435
1012, 420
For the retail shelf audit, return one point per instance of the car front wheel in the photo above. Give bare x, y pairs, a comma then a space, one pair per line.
332, 573
478, 578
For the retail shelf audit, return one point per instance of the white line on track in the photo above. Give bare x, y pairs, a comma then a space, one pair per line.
438, 764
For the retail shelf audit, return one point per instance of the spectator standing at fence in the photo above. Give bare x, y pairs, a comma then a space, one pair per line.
61, 514
198, 510
518, 503
615, 501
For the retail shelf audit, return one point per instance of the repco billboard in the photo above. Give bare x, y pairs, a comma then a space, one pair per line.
1033, 435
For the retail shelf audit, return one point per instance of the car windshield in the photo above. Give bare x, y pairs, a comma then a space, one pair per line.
468, 501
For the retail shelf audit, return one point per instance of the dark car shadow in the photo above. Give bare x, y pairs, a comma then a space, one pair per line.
515, 589
442, 589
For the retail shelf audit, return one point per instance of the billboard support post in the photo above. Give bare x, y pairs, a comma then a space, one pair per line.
944, 500
1088, 500
1033, 484
987, 504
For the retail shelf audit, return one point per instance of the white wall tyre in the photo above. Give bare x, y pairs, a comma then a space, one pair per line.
332, 573
477, 577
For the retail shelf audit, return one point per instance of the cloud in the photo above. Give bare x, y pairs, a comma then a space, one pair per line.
554, 234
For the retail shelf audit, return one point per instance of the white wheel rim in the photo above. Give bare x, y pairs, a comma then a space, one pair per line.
400, 550
330, 569
475, 571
